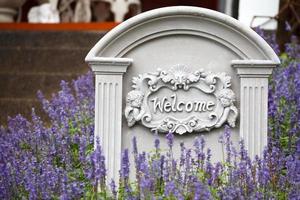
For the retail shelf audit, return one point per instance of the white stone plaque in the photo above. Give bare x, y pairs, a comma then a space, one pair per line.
176, 110
182, 69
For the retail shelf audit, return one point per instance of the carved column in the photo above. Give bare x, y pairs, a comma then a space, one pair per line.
254, 76
108, 109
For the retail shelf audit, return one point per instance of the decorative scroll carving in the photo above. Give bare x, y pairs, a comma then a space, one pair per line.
199, 114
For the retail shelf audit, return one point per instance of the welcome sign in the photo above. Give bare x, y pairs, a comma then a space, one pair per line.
181, 101
184, 70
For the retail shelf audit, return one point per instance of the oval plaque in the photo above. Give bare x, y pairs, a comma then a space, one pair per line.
179, 100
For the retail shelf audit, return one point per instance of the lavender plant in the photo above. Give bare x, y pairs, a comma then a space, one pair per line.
57, 160
52, 162
284, 99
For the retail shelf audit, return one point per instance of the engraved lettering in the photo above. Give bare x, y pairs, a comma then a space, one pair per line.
172, 105
167, 107
200, 106
210, 105
189, 106
157, 104
178, 106
174, 102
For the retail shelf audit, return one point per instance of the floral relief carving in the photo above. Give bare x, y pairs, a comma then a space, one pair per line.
141, 108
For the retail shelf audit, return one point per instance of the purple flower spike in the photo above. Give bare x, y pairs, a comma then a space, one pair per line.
135, 149
125, 165
113, 189
156, 143
201, 191
170, 139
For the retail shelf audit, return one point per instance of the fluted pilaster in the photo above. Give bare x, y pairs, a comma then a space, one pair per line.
254, 102
108, 109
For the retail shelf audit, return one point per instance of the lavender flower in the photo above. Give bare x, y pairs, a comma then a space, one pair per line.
201, 191
113, 189
124, 173
170, 139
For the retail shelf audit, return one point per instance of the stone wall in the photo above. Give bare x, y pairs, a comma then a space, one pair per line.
39, 60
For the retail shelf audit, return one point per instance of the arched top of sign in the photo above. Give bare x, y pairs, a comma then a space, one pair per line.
183, 20
197, 101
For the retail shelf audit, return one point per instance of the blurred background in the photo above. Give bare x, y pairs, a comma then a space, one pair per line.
45, 41
254, 13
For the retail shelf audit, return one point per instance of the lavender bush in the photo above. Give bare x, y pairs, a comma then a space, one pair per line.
284, 99
52, 162
284, 94
57, 160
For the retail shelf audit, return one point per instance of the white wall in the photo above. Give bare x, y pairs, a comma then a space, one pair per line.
250, 8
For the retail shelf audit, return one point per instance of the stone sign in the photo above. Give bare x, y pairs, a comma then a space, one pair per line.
183, 69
